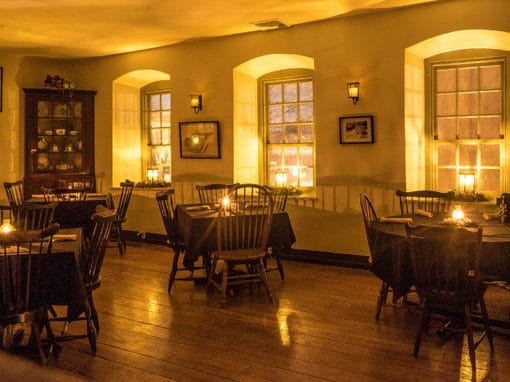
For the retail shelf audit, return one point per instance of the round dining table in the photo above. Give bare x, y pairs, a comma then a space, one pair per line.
391, 259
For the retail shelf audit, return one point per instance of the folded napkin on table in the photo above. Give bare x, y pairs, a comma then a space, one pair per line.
421, 212
395, 220
198, 208
65, 237
488, 216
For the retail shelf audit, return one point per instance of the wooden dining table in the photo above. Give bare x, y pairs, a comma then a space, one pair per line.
391, 259
197, 229
75, 213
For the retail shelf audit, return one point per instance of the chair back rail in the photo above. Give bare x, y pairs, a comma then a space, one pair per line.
166, 204
102, 225
125, 196
213, 193
61, 194
369, 218
427, 200
445, 260
280, 195
15, 192
245, 222
33, 216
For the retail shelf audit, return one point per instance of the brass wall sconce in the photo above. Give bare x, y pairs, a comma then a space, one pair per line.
353, 91
196, 102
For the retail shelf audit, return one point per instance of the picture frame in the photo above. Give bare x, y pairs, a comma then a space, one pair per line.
200, 140
357, 129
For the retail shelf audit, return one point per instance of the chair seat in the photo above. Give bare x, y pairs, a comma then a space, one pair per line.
241, 255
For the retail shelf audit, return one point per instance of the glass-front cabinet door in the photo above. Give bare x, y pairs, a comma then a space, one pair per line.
59, 137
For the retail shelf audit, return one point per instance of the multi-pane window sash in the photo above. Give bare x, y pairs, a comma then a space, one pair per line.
290, 133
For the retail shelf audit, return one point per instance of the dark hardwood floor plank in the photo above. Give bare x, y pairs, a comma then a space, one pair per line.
320, 327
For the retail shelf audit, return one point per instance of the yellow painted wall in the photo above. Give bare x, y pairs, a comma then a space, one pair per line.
368, 48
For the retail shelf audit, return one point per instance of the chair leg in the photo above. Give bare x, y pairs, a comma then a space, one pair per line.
121, 243
485, 316
276, 252
383, 293
263, 276
469, 332
224, 283
210, 274
92, 324
93, 313
36, 335
173, 272
425, 312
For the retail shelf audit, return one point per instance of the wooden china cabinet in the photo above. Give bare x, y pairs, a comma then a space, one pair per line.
59, 138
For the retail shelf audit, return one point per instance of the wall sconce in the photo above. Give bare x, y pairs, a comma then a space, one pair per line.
353, 91
467, 181
196, 102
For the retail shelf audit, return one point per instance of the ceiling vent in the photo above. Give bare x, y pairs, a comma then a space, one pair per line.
271, 24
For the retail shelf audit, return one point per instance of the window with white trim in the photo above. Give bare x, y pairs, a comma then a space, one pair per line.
289, 131
468, 115
157, 126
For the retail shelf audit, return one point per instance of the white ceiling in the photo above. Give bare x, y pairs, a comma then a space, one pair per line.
88, 28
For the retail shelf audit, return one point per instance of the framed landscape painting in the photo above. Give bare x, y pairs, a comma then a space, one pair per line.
200, 140
358, 129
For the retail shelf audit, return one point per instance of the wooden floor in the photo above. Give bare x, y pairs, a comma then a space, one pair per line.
320, 327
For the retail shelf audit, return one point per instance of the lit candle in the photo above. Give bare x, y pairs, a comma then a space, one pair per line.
281, 179
467, 180
6, 227
457, 213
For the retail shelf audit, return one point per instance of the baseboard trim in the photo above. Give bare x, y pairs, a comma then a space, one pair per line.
303, 255
326, 258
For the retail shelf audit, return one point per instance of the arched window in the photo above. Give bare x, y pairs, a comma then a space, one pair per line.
289, 131
466, 115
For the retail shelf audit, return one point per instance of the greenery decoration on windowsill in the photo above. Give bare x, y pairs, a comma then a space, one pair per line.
469, 196
147, 184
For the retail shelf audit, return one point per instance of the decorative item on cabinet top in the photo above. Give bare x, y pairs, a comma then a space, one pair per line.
58, 82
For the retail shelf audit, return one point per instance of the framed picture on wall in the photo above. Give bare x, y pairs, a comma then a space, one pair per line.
200, 140
358, 129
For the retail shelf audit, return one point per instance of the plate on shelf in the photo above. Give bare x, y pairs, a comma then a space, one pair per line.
62, 166
60, 110
77, 110
43, 109
42, 162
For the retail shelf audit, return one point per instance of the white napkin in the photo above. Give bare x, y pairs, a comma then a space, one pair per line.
65, 237
488, 216
395, 220
423, 213
198, 208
